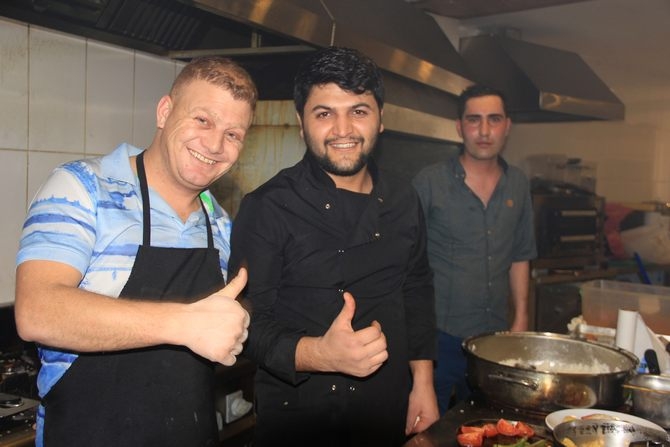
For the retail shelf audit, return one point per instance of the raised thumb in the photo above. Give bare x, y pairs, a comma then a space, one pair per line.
348, 309
235, 285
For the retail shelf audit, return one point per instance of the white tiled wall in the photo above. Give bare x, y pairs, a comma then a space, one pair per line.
56, 92
110, 74
61, 98
64, 97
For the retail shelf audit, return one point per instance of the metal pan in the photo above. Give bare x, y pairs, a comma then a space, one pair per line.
530, 383
606, 434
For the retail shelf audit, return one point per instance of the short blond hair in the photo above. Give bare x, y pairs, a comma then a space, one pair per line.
222, 72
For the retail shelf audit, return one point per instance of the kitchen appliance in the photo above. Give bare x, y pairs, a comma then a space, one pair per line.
19, 399
17, 417
651, 397
18, 374
569, 227
544, 372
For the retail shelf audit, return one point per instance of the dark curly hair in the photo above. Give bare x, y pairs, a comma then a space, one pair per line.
350, 69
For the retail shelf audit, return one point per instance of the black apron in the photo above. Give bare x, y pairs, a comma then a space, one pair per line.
159, 396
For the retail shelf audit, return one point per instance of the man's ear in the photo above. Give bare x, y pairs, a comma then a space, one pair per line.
459, 128
381, 121
163, 110
302, 134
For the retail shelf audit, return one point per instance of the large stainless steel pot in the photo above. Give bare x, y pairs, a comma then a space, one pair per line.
533, 371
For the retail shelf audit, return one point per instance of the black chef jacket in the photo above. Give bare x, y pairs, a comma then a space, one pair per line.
305, 242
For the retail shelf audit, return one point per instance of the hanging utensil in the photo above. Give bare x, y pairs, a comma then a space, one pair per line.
652, 362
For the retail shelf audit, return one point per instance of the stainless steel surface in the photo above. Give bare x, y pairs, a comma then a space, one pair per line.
606, 433
651, 400
649, 444
531, 384
464, 9
335, 22
541, 83
432, 70
423, 70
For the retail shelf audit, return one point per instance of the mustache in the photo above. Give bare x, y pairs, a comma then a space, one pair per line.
344, 140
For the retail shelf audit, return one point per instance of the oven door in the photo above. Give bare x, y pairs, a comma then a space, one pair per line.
569, 230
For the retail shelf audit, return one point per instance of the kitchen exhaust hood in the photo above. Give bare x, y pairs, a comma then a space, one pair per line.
542, 84
423, 71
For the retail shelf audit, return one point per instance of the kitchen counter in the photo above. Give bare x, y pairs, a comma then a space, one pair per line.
443, 432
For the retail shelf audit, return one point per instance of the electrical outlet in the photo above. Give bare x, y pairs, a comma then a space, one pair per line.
232, 415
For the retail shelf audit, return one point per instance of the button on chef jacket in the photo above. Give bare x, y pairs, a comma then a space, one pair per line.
305, 242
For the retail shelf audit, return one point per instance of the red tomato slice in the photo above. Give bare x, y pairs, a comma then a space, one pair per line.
506, 428
490, 430
524, 430
472, 439
471, 429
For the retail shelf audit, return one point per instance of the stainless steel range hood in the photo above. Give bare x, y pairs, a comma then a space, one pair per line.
542, 84
424, 73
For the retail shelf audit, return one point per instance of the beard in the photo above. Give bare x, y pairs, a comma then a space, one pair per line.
346, 168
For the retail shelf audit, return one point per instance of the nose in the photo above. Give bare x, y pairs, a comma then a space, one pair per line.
342, 126
484, 127
215, 141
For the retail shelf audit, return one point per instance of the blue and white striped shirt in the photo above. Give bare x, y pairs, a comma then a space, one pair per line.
88, 214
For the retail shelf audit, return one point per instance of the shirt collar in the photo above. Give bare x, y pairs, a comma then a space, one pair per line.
458, 171
117, 166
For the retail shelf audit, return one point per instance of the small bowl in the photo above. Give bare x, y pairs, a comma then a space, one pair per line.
606, 433
651, 398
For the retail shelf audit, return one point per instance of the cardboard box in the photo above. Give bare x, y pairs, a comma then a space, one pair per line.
602, 299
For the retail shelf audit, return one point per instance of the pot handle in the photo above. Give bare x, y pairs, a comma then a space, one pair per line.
523, 381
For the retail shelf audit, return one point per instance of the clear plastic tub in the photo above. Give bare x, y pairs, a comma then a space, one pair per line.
602, 299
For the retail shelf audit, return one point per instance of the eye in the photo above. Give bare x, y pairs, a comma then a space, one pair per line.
323, 114
202, 120
496, 119
236, 138
472, 120
360, 113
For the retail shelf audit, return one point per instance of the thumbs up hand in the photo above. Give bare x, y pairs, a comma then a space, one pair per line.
357, 353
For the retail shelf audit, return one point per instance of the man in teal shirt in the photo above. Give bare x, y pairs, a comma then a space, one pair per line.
480, 237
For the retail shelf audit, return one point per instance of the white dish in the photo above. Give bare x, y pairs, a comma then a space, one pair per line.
555, 418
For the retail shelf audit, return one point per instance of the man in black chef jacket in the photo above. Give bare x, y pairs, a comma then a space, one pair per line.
340, 291
121, 271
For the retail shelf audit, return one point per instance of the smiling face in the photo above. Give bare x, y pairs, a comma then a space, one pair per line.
202, 133
483, 127
340, 128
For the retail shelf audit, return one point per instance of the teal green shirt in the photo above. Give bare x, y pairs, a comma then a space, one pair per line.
471, 247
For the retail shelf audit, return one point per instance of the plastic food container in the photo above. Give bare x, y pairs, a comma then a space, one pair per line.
602, 299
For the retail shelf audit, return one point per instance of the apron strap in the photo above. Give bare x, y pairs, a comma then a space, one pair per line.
146, 207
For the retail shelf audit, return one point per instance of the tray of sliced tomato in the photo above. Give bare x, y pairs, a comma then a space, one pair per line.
500, 433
